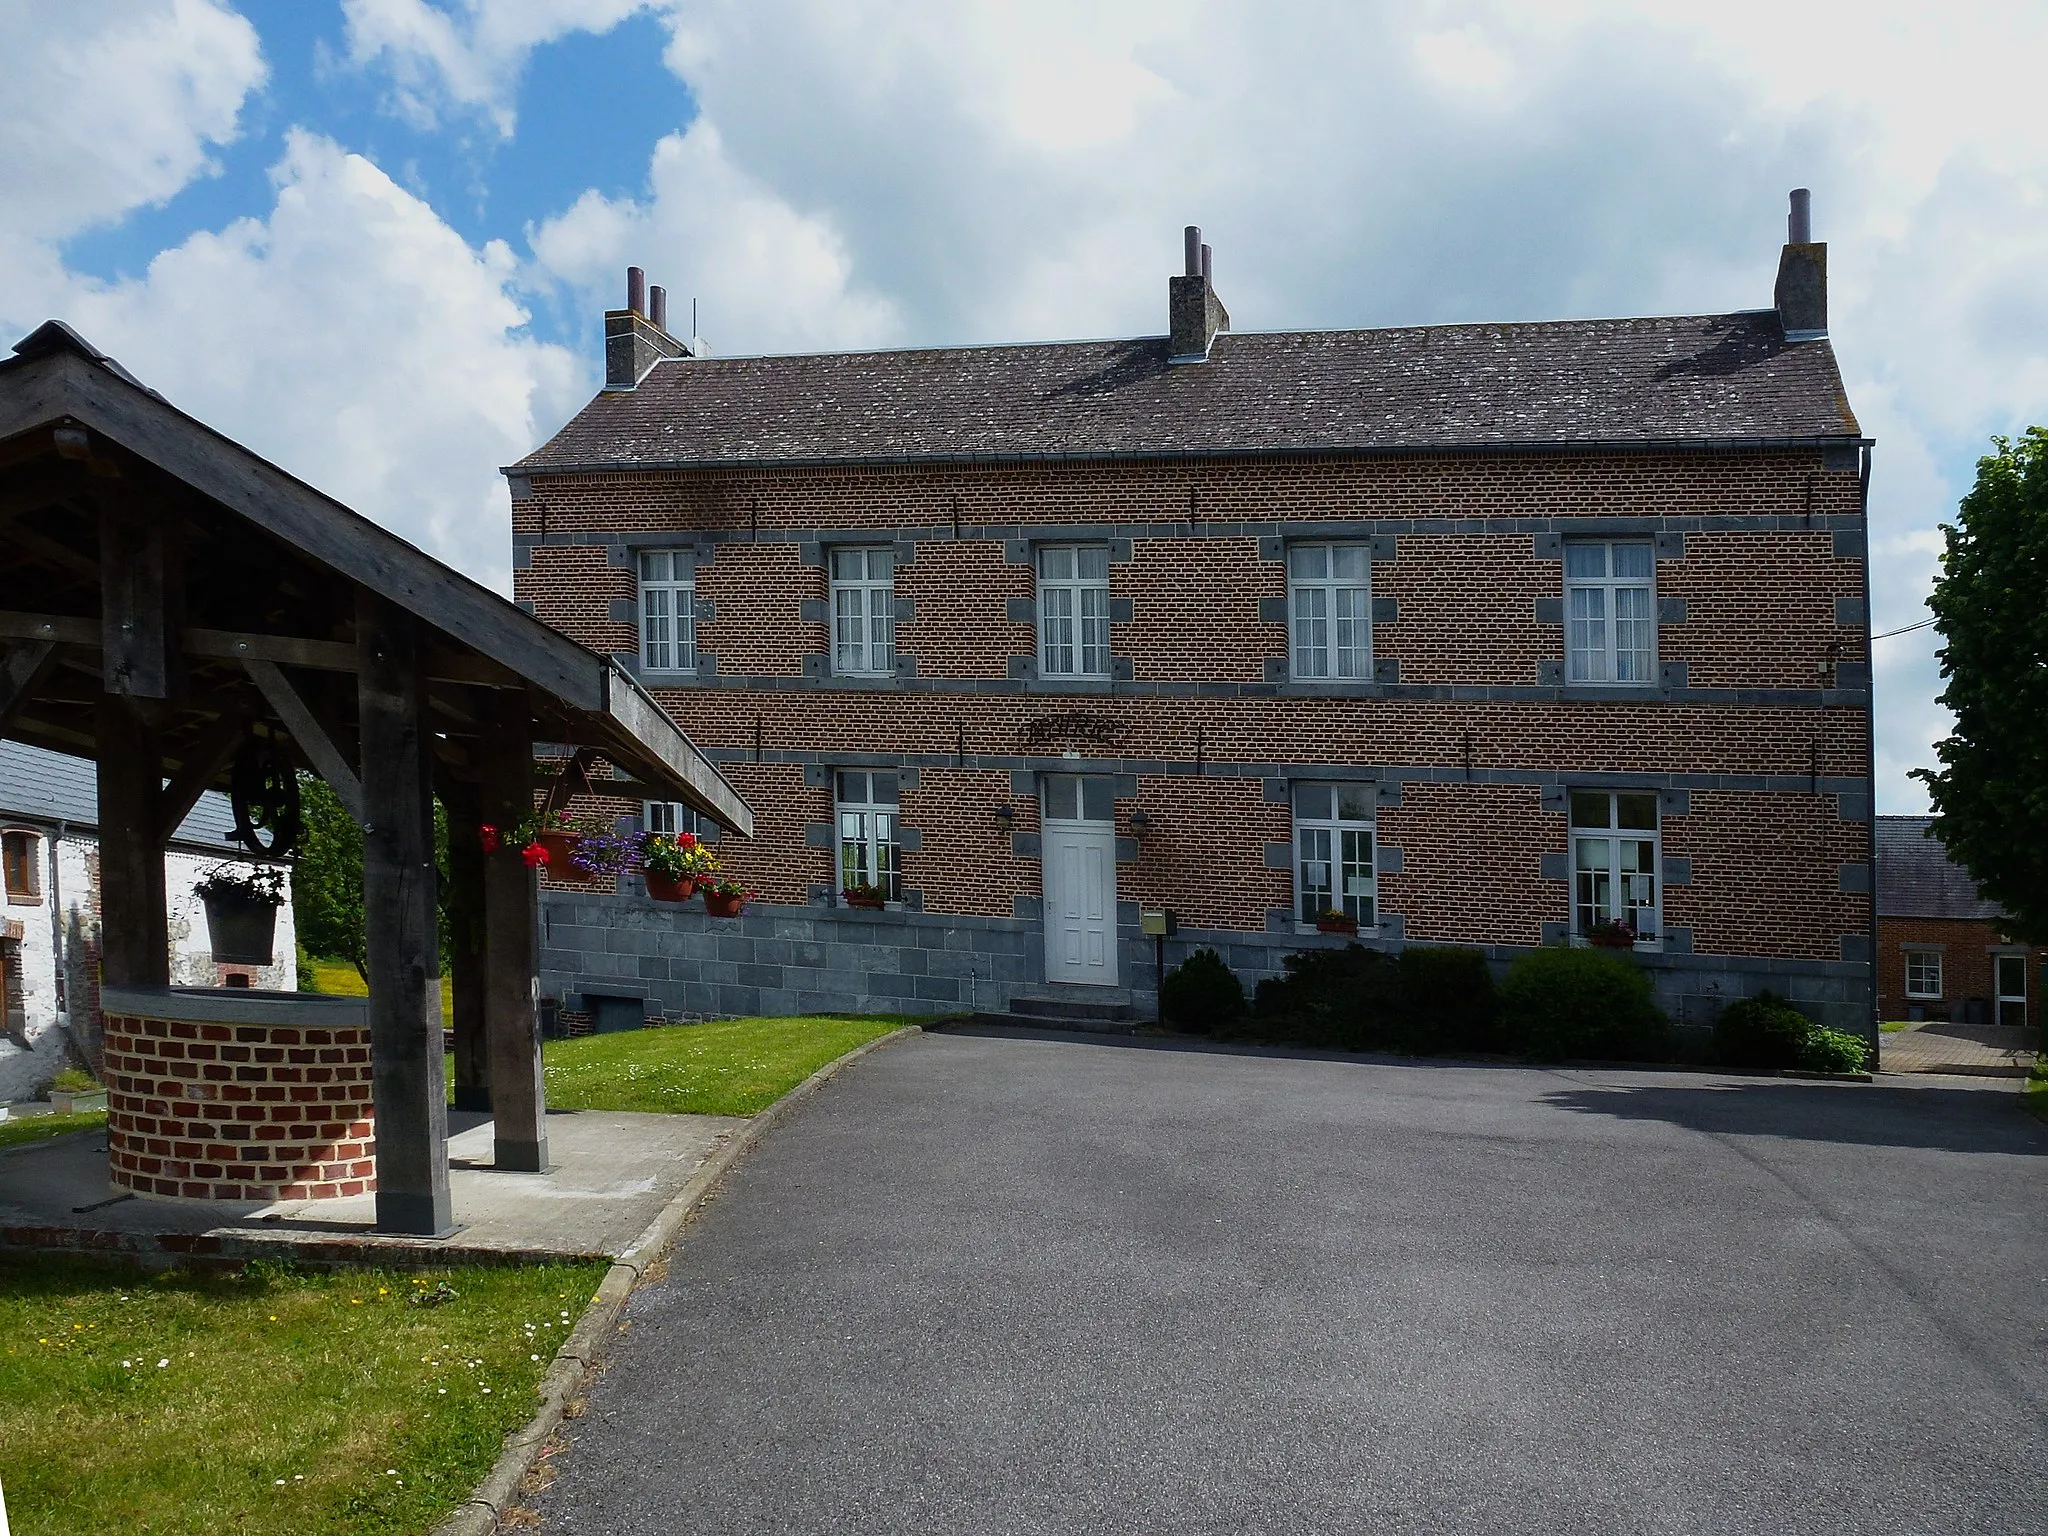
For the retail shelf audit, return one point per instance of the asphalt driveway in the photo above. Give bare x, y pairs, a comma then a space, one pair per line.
1009, 1284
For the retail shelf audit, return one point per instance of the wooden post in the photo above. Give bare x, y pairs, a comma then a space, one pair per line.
135, 937
398, 909
511, 946
465, 966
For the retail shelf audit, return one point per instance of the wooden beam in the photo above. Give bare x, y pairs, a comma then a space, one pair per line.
466, 949
201, 765
134, 595
135, 937
21, 674
512, 948
311, 736
408, 1078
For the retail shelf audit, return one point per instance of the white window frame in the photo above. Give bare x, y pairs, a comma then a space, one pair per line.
668, 609
668, 817
1339, 842
863, 610
1594, 619
1329, 617
864, 816
1614, 881
1923, 954
1073, 612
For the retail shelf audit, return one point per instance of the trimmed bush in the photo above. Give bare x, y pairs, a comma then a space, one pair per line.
1424, 1001
1834, 1050
1761, 1033
1557, 1003
1201, 994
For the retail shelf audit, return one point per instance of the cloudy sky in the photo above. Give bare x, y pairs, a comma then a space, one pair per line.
373, 238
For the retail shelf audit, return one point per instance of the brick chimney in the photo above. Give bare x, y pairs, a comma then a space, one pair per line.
1802, 293
1194, 313
633, 341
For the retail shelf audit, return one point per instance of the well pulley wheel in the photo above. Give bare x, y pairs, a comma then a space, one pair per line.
264, 789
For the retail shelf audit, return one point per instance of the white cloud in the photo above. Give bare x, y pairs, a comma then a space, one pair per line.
356, 340
469, 56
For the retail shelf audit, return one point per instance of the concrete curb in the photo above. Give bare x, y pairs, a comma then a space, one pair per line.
478, 1515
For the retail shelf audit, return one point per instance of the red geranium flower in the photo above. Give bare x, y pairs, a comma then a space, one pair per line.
686, 840
535, 855
488, 836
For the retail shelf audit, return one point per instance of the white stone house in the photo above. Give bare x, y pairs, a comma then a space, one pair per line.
49, 924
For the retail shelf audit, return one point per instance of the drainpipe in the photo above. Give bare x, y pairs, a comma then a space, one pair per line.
1870, 744
55, 886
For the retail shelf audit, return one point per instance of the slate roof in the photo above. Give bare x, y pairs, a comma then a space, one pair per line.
1703, 379
41, 786
1916, 877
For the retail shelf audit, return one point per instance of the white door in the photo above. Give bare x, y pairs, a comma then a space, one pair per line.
1079, 845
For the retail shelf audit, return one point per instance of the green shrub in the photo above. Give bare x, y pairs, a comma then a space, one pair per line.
1424, 1001
1557, 1002
1834, 1050
1760, 1033
1201, 994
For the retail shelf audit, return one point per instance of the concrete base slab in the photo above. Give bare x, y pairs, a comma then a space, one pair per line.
610, 1174
1960, 1050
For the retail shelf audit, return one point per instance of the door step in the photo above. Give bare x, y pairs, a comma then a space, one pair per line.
1097, 1010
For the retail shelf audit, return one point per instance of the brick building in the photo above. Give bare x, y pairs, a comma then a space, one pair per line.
1941, 951
1474, 634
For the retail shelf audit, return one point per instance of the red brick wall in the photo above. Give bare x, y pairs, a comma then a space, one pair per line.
239, 1111
1966, 970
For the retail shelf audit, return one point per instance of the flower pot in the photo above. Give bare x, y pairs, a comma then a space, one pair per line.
1334, 925
723, 906
559, 846
1612, 940
665, 888
240, 930
866, 903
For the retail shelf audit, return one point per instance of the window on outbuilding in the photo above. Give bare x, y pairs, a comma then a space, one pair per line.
1923, 973
867, 832
1334, 868
864, 612
1329, 605
21, 859
668, 610
1073, 611
1615, 862
1610, 611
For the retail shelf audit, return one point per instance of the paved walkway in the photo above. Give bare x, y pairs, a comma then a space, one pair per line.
610, 1175
1012, 1284
1960, 1050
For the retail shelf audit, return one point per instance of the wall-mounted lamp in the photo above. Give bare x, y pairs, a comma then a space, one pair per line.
1140, 823
1006, 817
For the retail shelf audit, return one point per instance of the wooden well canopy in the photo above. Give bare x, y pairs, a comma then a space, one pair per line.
192, 617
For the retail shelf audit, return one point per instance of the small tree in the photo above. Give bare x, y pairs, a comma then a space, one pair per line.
327, 877
1991, 606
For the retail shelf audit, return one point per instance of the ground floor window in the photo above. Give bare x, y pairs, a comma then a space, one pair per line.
867, 833
667, 816
1614, 862
1923, 973
2009, 973
1333, 853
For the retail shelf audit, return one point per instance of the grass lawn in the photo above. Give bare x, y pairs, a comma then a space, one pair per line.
337, 978
1892, 1026
13, 1132
732, 1067
2034, 1093
269, 1402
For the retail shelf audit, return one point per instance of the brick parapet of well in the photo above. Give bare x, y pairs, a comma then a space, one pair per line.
206, 1111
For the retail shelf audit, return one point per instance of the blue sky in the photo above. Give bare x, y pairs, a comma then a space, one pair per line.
373, 238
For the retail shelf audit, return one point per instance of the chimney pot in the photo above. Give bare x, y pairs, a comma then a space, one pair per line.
1799, 222
657, 307
1206, 275
636, 290
1193, 312
1192, 238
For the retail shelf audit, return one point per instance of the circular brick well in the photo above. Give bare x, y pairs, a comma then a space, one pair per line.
232, 1094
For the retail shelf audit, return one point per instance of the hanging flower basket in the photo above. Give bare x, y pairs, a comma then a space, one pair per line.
669, 887
241, 904
560, 848
726, 898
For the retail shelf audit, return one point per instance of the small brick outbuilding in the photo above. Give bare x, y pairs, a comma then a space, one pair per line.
1941, 951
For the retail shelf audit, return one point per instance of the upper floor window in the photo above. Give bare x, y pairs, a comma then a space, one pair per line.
18, 851
1329, 603
1615, 862
864, 612
1610, 611
667, 816
1073, 610
867, 832
1333, 848
1923, 973
668, 610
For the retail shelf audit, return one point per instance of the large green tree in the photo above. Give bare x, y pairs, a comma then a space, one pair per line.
1991, 606
327, 877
